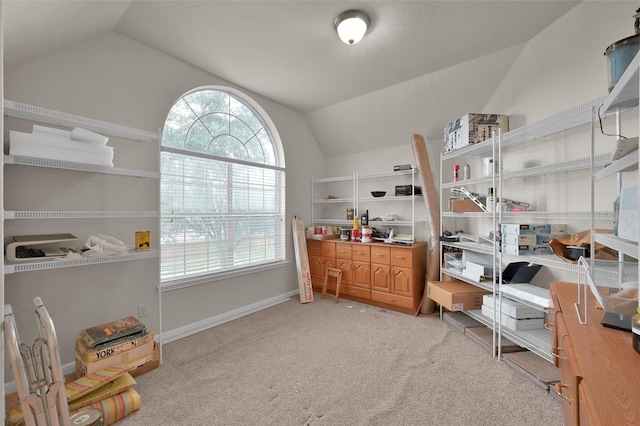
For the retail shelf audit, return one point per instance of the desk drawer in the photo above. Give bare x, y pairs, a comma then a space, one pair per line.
402, 257
344, 250
361, 253
348, 290
392, 299
381, 254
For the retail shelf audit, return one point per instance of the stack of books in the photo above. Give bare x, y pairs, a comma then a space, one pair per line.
125, 342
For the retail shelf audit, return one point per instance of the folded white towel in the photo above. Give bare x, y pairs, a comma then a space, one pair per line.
84, 135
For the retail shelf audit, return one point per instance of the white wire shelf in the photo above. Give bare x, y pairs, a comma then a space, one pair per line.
333, 179
562, 167
388, 174
475, 247
625, 164
371, 222
55, 214
44, 264
537, 340
630, 248
565, 120
485, 285
56, 164
44, 115
573, 215
332, 200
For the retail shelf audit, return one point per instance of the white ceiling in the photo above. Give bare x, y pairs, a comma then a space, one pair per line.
288, 50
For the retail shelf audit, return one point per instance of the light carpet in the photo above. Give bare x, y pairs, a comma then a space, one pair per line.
323, 363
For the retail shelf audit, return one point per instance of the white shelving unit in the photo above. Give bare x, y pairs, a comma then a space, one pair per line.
499, 148
85, 172
624, 97
330, 209
29, 112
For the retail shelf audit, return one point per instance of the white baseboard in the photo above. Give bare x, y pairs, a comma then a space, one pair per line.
196, 327
188, 330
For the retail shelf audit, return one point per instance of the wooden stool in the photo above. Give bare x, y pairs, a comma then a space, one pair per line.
337, 274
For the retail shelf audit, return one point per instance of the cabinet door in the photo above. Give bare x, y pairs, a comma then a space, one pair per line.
361, 274
380, 277
327, 262
402, 281
315, 266
346, 266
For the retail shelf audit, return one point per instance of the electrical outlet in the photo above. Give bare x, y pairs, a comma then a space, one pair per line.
142, 310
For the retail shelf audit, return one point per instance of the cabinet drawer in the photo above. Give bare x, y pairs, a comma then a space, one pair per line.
381, 255
392, 299
314, 247
402, 257
344, 250
361, 253
328, 249
348, 290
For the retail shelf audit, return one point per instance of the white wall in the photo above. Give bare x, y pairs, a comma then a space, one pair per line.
113, 79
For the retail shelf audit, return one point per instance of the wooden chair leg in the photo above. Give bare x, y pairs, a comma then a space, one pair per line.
338, 279
324, 285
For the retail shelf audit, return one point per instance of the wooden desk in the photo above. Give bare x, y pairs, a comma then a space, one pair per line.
599, 369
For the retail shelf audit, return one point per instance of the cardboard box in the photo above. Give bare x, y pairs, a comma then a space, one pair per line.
524, 250
519, 240
455, 295
133, 358
473, 128
463, 206
531, 228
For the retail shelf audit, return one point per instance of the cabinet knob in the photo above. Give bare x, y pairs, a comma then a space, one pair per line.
401, 257
558, 388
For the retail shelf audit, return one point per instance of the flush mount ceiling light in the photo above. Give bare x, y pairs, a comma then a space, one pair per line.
351, 26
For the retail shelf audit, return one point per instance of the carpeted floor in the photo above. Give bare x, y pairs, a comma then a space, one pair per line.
336, 364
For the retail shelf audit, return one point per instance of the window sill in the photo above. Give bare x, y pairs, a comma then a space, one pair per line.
204, 279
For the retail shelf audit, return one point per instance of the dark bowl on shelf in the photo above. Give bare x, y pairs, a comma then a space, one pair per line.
378, 193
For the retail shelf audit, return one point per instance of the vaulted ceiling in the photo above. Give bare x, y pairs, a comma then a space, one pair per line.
288, 51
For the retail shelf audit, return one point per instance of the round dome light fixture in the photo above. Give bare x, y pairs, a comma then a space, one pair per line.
351, 26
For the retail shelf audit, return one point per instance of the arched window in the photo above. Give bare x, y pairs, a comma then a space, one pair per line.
222, 189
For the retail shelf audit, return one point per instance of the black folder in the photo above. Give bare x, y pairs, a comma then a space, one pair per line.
519, 273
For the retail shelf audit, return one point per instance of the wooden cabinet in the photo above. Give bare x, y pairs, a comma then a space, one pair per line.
374, 273
322, 255
599, 369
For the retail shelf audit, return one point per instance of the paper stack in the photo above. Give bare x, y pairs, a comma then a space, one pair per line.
76, 146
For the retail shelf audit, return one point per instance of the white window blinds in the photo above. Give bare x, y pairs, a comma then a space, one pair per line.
219, 214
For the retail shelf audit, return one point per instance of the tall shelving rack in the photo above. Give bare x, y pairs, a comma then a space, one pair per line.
622, 98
